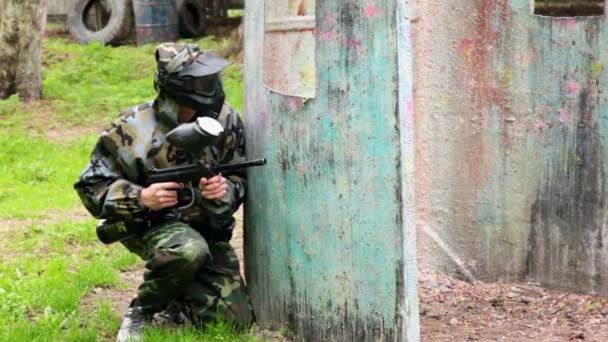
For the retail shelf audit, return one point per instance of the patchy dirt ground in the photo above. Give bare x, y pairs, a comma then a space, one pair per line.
48, 217
120, 296
453, 310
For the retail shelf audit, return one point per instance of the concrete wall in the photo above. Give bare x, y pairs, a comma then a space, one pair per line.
60, 7
330, 245
508, 119
511, 124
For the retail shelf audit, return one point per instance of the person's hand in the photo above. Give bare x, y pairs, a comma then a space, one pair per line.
213, 188
160, 195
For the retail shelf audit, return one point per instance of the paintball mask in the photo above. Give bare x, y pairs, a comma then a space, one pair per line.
190, 77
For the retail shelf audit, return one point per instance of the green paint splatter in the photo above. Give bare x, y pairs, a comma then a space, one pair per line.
596, 69
507, 77
292, 6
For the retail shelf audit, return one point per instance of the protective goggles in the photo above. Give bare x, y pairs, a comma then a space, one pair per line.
205, 86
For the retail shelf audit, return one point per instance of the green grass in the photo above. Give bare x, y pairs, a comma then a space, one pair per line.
88, 80
49, 268
236, 13
37, 174
217, 331
96, 81
45, 277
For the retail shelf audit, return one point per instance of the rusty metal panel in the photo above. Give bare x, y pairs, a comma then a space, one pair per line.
289, 47
569, 8
329, 218
510, 132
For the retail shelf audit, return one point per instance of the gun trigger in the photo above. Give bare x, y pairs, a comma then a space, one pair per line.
185, 195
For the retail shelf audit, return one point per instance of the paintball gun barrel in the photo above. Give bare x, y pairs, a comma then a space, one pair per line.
194, 172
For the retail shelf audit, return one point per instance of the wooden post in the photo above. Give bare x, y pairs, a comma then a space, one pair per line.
330, 228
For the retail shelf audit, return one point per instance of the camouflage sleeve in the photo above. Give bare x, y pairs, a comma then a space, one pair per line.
104, 191
231, 150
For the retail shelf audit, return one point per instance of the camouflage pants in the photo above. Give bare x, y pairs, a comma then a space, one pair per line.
203, 276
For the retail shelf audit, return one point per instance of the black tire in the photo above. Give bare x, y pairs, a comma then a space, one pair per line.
114, 21
192, 18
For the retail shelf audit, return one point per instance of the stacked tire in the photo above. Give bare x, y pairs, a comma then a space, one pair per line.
107, 21
192, 17
111, 22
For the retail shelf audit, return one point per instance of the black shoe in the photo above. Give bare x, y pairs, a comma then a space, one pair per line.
172, 315
133, 323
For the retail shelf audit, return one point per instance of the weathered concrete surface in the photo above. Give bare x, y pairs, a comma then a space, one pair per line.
289, 65
509, 117
60, 7
329, 216
510, 131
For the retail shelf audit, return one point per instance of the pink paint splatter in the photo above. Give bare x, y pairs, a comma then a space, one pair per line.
330, 20
294, 104
328, 35
353, 44
519, 129
564, 115
264, 118
302, 169
372, 12
573, 87
264, 115
570, 22
410, 108
467, 48
540, 125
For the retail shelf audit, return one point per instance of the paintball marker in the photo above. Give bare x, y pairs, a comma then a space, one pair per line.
191, 137
191, 174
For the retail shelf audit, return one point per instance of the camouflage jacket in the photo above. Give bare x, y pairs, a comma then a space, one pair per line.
111, 183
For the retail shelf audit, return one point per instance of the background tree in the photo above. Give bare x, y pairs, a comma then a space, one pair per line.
235, 49
22, 24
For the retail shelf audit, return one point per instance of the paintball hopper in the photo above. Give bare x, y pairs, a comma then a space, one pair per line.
193, 137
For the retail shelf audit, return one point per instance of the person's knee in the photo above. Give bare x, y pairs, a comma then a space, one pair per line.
185, 257
196, 252
193, 254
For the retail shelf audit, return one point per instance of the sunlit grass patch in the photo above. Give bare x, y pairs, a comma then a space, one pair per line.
38, 174
216, 331
9, 110
236, 13
51, 325
44, 275
93, 81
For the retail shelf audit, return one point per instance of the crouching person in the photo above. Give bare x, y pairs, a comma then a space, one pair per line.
190, 263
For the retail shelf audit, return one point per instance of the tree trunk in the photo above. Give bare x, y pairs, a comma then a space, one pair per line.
22, 24
235, 50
